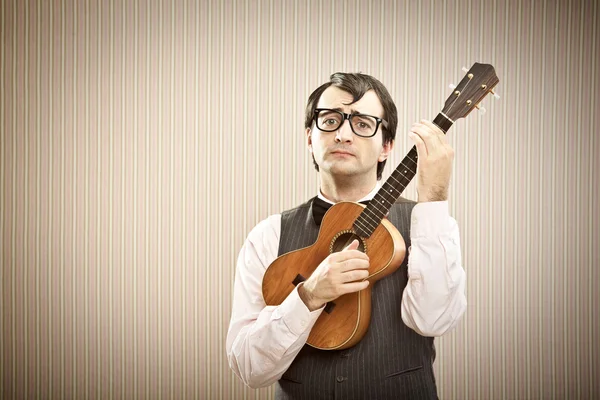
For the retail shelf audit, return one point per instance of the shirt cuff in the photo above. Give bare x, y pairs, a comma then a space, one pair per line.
296, 316
430, 219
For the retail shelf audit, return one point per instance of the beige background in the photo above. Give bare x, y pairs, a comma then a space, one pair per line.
141, 141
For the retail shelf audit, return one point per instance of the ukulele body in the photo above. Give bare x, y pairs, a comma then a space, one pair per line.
345, 320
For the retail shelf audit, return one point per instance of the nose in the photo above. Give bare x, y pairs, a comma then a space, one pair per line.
344, 133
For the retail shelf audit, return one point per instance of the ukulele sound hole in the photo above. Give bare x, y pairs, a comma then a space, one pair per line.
343, 239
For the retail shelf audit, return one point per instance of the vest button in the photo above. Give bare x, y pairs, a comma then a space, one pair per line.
340, 379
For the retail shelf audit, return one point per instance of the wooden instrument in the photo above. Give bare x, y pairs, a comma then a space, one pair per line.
346, 319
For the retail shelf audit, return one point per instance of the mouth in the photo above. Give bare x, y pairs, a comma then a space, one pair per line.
342, 153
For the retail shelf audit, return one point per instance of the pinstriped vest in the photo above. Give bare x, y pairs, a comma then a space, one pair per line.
391, 361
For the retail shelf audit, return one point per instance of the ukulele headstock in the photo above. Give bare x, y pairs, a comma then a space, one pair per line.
478, 82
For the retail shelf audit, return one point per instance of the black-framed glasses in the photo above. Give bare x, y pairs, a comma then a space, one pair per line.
328, 120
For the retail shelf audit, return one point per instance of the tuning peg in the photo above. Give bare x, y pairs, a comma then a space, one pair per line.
481, 109
496, 95
470, 76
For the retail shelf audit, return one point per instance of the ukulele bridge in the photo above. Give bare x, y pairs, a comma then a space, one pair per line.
341, 240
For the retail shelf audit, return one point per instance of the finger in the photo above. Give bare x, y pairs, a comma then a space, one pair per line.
352, 246
437, 131
346, 255
427, 135
354, 287
353, 264
355, 275
419, 143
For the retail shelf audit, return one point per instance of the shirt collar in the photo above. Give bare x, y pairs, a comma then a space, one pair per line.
369, 196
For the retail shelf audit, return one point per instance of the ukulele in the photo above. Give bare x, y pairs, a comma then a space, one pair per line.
345, 320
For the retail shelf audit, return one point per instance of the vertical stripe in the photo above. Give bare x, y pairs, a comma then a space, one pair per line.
578, 222
381, 35
517, 369
405, 83
528, 202
553, 202
25, 188
50, 150
269, 155
147, 354
3, 128
369, 36
184, 193
219, 318
158, 316
344, 39
504, 218
479, 218
75, 207
541, 271
207, 213
171, 197
282, 117
38, 173
295, 88
197, 199
308, 50
466, 224
257, 127
99, 234
61, 263
565, 201
233, 212
111, 198
86, 223
491, 237
135, 229
245, 128
592, 211
320, 35
13, 261
122, 206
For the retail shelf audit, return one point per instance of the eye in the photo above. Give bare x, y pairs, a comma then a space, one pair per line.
363, 122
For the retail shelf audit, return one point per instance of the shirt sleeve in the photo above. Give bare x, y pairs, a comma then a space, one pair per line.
262, 341
434, 299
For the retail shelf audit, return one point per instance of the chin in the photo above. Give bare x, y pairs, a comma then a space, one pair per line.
339, 170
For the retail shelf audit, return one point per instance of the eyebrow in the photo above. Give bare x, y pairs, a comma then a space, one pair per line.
352, 110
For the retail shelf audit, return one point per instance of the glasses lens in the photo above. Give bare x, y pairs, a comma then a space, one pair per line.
363, 125
329, 120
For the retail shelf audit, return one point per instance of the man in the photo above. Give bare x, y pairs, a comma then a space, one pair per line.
350, 129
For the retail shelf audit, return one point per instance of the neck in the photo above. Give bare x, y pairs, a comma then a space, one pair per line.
346, 188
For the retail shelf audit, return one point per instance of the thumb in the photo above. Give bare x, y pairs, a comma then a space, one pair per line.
353, 245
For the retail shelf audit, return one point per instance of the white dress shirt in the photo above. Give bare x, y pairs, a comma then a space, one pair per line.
262, 340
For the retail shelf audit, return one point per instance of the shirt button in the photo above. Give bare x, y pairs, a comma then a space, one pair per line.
340, 379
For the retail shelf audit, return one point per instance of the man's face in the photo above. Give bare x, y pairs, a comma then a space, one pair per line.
342, 153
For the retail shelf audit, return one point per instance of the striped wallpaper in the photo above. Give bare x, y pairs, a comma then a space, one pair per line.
142, 140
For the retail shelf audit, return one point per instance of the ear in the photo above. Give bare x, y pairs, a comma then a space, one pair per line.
386, 150
308, 140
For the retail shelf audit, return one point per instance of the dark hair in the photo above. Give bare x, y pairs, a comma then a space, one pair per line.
357, 85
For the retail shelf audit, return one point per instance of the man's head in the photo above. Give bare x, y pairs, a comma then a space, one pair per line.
351, 94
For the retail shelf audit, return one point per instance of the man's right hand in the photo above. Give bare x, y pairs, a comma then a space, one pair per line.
340, 273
